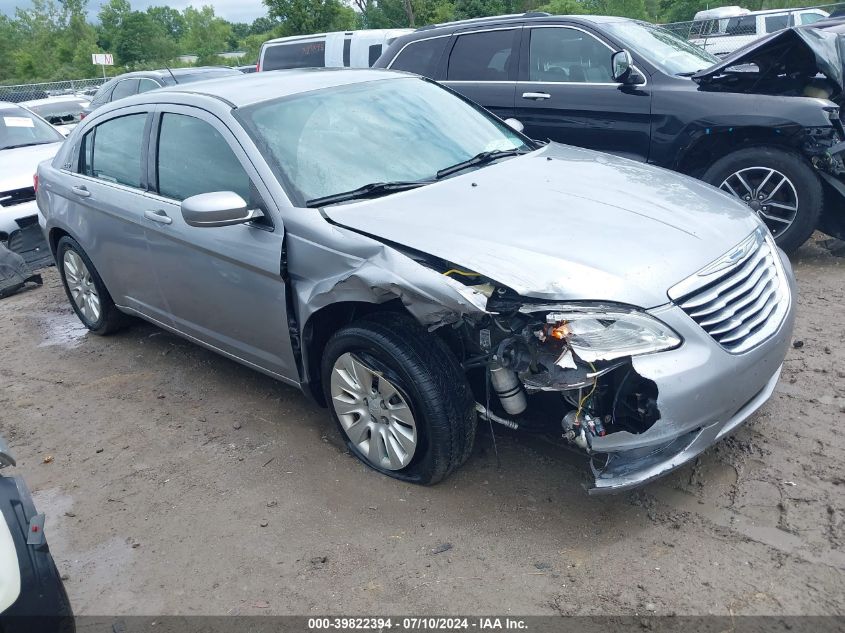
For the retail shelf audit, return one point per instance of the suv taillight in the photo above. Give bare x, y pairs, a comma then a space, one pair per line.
35, 182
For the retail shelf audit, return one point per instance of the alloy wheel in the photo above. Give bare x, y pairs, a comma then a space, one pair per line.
767, 192
81, 286
374, 414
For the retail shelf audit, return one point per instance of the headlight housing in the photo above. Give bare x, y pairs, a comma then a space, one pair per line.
598, 332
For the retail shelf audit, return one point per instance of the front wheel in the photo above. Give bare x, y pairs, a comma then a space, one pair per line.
399, 398
779, 186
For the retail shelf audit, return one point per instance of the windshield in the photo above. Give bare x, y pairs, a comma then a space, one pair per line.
394, 130
668, 52
20, 128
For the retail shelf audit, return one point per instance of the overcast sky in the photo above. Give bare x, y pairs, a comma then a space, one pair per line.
232, 10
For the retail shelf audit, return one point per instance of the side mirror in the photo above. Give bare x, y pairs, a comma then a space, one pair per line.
515, 124
621, 65
218, 208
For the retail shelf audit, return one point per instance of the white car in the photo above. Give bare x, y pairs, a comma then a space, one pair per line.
63, 112
723, 30
25, 140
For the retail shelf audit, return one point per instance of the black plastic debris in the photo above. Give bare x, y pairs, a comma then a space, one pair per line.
28, 242
15, 273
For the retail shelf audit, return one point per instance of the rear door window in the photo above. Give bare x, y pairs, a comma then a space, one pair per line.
112, 151
125, 88
145, 85
776, 22
745, 25
809, 18
295, 55
484, 56
421, 57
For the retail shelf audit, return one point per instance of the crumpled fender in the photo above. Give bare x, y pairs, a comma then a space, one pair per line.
796, 47
373, 272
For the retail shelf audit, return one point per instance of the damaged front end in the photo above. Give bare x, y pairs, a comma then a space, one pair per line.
797, 62
639, 392
565, 369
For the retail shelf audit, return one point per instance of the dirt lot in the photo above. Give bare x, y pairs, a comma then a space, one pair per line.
182, 483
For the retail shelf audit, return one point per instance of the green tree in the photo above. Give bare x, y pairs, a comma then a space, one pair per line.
171, 21
206, 34
311, 16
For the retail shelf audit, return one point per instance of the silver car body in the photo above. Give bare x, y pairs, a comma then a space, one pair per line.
536, 223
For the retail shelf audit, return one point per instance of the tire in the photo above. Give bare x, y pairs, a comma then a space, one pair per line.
802, 183
70, 259
403, 356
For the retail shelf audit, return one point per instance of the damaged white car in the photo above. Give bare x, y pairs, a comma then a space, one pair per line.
415, 264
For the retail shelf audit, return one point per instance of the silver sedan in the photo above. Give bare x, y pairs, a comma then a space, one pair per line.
416, 264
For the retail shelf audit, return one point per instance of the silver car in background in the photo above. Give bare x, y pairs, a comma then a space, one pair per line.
415, 264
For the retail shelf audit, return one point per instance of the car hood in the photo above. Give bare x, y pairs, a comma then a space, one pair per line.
793, 52
17, 166
563, 223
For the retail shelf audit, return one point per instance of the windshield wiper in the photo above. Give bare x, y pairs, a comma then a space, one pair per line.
479, 159
371, 190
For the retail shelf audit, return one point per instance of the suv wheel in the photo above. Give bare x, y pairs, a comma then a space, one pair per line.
85, 289
780, 187
399, 398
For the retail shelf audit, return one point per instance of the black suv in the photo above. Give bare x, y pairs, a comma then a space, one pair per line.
633, 89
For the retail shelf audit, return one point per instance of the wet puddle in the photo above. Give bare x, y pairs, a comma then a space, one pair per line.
61, 330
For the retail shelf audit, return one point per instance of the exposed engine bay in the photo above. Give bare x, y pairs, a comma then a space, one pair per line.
792, 62
537, 367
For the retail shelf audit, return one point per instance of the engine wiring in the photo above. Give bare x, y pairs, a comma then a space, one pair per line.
583, 400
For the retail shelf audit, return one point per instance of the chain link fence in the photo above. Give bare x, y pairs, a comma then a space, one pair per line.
30, 92
723, 30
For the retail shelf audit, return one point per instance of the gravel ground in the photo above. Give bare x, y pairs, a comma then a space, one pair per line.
178, 482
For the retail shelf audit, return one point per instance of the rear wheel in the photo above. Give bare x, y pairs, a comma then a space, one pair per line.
779, 186
399, 398
85, 289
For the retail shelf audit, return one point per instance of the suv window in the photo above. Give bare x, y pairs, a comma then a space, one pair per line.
776, 22
124, 88
809, 18
484, 56
420, 57
568, 55
145, 85
112, 150
745, 25
194, 158
294, 55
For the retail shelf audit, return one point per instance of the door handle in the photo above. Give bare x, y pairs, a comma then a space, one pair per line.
81, 191
536, 96
158, 216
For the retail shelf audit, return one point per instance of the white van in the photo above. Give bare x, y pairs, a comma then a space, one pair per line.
343, 49
723, 30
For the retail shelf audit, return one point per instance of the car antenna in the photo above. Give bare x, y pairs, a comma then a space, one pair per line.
171, 74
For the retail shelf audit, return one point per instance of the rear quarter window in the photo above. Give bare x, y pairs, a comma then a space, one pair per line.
420, 57
294, 55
